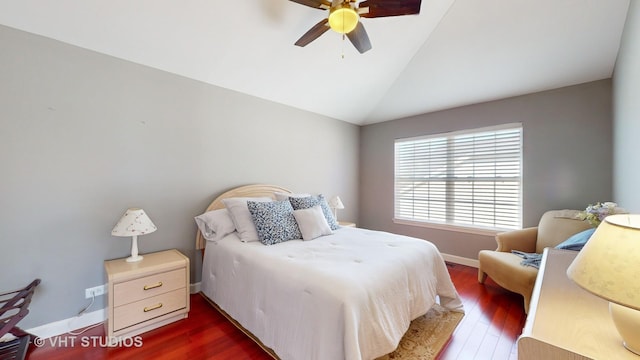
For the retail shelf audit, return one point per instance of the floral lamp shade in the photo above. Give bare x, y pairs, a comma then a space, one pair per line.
134, 222
608, 267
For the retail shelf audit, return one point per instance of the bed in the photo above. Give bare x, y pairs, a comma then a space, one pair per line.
348, 295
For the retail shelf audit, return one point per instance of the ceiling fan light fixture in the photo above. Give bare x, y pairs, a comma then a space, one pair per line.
343, 19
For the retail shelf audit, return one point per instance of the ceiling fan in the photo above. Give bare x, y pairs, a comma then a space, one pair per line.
344, 17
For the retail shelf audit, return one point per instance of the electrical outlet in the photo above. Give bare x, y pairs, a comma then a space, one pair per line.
95, 291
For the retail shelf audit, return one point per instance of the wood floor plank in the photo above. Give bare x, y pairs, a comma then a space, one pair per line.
473, 343
494, 318
501, 310
487, 348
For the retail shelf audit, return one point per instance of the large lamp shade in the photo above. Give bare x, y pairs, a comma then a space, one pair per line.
609, 267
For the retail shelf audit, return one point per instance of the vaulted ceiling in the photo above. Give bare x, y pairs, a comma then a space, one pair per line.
456, 52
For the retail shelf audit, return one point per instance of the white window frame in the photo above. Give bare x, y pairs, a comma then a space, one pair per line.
482, 165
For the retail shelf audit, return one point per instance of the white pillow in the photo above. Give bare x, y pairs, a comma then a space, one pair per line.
281, 196
215, 224
312, 223
241, 216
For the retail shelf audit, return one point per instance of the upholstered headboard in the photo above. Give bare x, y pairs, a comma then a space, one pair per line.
256, 190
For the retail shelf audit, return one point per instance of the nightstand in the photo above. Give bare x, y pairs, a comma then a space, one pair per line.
146, 294
346, 224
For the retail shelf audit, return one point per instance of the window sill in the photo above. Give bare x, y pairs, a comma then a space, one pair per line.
449, 227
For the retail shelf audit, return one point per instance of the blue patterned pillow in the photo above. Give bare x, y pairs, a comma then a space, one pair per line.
274, 221
311, 201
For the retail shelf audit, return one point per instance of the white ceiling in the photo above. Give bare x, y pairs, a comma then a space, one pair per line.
456, 52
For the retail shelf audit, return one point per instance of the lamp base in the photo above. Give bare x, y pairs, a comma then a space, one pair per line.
134, 258
134, 250
627, 321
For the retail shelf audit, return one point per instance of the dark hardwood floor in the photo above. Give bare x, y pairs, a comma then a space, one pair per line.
493, 320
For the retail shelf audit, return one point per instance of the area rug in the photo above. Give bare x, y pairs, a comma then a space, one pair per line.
427, 335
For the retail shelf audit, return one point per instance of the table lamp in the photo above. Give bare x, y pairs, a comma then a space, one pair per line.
134, 222
609, 267
336, 204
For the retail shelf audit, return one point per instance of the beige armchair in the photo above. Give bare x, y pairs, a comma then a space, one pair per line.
504, 267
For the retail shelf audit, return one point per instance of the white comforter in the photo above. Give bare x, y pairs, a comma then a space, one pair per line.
351, 295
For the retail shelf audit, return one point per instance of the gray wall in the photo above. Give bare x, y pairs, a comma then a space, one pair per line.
83, 136
626, 110
567, 157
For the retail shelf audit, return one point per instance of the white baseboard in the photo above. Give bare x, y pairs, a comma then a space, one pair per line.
78, 322
64, 326
461, 260
195, 288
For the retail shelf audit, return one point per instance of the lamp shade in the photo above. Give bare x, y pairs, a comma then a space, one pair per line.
608, 265
336, 203
134, 222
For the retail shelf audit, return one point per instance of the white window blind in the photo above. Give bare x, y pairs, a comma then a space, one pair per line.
470, 178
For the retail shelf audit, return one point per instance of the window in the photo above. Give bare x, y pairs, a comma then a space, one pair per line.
467, 178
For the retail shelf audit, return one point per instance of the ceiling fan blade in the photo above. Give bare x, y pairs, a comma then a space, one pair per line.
382, 8
360, 39
313, 33
318, 4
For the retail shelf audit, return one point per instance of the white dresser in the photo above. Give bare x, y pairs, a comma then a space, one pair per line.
565, 321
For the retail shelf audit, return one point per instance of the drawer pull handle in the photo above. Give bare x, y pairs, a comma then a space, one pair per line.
150, 308
157, 285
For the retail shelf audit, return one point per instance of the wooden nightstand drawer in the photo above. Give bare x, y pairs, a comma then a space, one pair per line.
145, 287
143, 310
